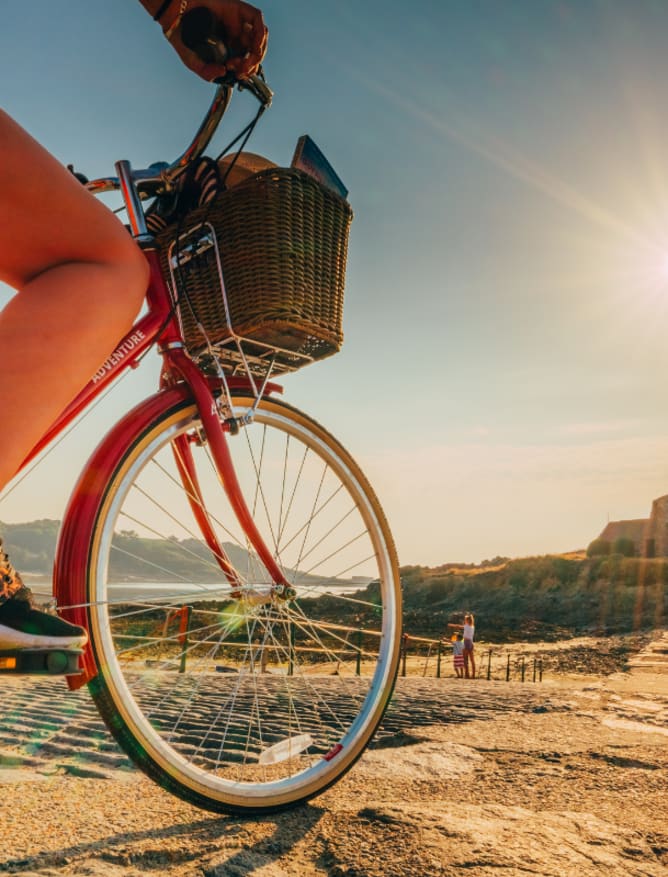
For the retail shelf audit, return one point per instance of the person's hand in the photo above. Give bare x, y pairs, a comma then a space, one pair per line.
245, 38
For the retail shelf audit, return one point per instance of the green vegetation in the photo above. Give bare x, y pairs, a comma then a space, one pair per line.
535, 598
625, 547
598, 548
550, 597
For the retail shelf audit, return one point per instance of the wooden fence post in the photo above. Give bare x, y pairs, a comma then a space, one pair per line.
291, 651
184, 630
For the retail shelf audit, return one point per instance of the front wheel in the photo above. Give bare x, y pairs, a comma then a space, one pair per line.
230, 694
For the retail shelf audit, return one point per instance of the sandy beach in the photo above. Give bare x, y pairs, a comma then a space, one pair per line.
564, 777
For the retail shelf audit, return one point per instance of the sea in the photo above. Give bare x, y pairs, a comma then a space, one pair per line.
170, 591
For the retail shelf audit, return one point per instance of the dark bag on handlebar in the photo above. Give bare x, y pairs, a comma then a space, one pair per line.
259, 266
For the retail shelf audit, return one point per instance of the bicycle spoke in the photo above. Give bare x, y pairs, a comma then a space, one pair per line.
248, 687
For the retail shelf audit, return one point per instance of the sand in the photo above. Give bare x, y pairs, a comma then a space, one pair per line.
564, 777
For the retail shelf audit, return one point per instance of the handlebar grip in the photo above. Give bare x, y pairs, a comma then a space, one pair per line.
203, 34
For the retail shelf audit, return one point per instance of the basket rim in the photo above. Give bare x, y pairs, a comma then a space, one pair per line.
182, 225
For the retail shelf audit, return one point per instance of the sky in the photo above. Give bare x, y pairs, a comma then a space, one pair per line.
502, 379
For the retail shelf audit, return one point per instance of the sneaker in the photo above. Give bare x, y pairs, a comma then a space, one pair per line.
23, 625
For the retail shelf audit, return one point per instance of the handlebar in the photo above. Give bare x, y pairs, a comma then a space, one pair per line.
161, 178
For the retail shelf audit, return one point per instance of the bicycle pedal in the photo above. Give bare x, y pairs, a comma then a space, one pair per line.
45, 662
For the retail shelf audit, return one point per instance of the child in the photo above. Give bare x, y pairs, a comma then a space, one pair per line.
458, 654
468, 629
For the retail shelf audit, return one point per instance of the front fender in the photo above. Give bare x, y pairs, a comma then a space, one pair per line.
74, 540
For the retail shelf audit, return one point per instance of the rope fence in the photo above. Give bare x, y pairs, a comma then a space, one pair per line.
421, 656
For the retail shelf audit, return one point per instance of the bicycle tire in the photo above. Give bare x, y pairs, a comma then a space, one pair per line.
311, 673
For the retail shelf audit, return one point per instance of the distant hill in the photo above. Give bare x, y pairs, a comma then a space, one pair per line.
31, 547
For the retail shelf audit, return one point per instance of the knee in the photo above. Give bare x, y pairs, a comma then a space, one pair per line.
127, 275
133, 269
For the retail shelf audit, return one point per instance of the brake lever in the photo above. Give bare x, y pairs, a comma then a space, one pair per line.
258, 88
81, 177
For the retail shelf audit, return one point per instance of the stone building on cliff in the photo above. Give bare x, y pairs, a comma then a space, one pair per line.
649, 535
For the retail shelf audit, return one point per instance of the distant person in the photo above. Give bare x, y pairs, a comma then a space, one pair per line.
469, 657
468, 629
458, 654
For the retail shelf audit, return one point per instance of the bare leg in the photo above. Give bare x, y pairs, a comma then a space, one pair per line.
80, 281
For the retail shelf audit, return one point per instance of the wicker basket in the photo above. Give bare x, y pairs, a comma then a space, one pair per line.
282, 242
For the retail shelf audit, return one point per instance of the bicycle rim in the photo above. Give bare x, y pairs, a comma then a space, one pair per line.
227, 695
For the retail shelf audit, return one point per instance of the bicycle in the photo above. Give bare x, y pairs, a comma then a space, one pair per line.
242, 692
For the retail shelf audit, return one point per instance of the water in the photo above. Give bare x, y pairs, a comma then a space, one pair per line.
169, 591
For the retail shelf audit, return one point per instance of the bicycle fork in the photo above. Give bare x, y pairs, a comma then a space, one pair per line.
216, 435
75, 556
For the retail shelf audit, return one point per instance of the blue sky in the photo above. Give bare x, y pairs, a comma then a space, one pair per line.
507, 297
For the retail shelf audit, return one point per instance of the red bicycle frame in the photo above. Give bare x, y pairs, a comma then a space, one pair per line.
181, 379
